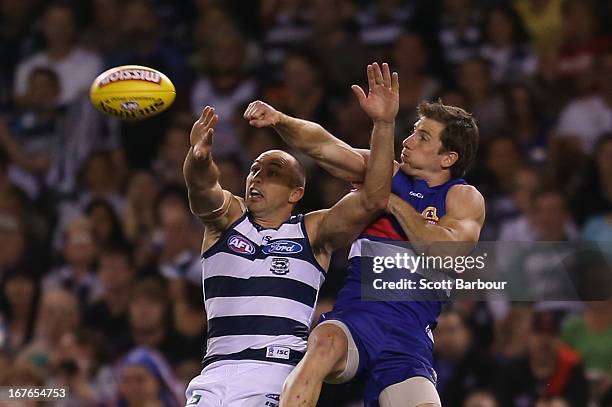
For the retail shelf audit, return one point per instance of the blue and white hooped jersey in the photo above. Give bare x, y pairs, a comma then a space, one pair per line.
260, 290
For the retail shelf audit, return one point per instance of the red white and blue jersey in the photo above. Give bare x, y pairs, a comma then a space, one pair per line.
431, 203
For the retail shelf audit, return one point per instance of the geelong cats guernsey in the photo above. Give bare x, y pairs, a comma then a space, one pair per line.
260, 290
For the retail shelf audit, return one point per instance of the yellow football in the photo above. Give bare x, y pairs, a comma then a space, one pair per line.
132, 92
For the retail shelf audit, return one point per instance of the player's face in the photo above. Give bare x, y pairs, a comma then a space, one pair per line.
271, 182
421, 150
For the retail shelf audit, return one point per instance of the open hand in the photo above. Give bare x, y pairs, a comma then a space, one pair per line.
201, 136
260, 114
382, 101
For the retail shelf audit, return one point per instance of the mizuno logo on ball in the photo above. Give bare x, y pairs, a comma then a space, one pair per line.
131, 75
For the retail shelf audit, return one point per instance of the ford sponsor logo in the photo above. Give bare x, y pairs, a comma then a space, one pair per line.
282, 247
239, 244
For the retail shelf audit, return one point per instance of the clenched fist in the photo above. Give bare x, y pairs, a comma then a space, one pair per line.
260, 114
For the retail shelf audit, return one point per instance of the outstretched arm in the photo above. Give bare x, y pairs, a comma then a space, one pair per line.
336, 227
331, 153
208, 201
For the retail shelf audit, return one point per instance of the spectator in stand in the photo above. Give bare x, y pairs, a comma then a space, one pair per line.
13, 243
225, 84
461, 366
512, 330
75, 364
581, 41
106, 224
58, 314
587, 118
33, 136
139, 219
176, 243
285, 24
502, 162
77, 273
17, 41
332, 40
551, 369
102, 35
596, 184
108, 312
530, 125
506, 47
21, 294
75, 66
142, 43
145, 379
543, 20
149, 313
412, 64
590, 333
169, 163
303, 92
381, 22
527, 182
484, 100
98, 181
460, 33
190, 326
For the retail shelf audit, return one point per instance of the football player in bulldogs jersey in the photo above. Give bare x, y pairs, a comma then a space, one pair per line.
390, 342
261, 267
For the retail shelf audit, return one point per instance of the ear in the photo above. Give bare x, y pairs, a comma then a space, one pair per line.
296, 195
449, 159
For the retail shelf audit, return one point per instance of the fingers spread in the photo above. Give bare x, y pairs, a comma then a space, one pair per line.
377, 73
386, 74
361, 96
395, 82
371, 79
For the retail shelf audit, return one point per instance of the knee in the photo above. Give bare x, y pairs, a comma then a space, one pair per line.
327, 342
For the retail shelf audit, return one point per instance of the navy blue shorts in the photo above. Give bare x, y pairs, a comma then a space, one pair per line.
390, 350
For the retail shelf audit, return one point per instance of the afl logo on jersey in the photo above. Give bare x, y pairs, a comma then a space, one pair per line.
240, 245
431, 214
282, 247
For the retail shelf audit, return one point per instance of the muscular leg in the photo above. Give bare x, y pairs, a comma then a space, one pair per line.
413, 392
326, 355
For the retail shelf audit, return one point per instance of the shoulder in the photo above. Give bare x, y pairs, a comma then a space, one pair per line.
465, 199
312, 222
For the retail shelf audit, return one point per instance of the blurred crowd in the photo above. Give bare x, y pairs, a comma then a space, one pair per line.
100, 286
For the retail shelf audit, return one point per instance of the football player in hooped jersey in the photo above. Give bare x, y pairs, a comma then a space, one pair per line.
390, 342
261, 267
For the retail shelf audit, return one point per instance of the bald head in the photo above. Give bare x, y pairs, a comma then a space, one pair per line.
291, 169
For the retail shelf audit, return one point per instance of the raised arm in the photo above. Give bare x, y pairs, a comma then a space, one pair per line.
208, 201
331, 153
336, 227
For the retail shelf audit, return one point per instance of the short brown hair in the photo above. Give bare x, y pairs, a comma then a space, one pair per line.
460, 133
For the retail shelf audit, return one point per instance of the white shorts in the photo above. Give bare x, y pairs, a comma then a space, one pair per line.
238, 383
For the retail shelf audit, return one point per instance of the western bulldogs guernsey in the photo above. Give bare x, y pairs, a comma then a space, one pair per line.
260, 290
394, 338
